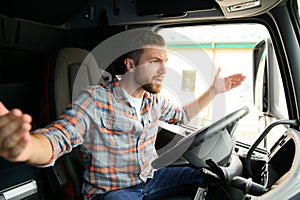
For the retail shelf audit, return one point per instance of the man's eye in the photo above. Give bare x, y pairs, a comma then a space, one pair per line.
154, 62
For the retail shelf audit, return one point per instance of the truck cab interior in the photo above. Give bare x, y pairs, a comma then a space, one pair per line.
245, 144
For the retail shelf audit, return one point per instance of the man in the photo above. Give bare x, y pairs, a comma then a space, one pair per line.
117, 124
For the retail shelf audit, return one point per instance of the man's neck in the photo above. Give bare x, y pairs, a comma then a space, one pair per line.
131, 88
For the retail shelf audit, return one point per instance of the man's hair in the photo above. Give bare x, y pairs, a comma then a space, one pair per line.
139, 39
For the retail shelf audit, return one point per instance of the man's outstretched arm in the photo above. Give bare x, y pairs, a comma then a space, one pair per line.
219, 85
17, 144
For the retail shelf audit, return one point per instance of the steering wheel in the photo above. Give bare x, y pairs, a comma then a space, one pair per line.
199, 136
228, 122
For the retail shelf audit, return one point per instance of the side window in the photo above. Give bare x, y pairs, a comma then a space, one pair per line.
295, 12
269, 91
298, 4
195, 53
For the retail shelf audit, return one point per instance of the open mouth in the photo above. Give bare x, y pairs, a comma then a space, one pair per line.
158, 81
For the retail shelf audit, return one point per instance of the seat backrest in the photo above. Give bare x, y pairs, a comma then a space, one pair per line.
72, 69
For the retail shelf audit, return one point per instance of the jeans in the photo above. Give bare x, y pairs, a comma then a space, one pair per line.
167, 182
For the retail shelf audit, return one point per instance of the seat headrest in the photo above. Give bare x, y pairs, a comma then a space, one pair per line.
75, 69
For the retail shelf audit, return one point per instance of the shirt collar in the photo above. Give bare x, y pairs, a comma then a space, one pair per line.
119, 92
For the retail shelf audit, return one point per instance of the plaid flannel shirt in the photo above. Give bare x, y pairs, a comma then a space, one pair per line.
118, 148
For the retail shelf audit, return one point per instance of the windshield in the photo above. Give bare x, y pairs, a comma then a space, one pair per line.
195, 53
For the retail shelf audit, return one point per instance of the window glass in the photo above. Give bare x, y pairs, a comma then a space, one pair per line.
196, 52
296, 10
298, 3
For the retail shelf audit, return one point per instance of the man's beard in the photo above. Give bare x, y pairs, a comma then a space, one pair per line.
152, 88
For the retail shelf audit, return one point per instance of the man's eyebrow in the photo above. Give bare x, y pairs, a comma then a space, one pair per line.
158, 58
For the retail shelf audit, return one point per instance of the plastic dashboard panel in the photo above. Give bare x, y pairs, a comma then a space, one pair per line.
287, 185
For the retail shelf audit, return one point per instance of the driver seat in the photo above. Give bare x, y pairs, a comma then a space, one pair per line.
72, 69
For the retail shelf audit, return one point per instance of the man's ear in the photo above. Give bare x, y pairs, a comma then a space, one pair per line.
129, 63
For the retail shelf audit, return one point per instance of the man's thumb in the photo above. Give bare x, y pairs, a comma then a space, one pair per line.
3, 109
219, 70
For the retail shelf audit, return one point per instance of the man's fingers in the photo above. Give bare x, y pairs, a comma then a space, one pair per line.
218, 71
236, 80
13, 154
3, 109
18, 149
237, 77
13, 139
12, 115
14, 147
11, 126
14, 132
14, 129
26, 118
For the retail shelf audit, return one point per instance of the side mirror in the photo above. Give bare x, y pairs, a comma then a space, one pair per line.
268, 90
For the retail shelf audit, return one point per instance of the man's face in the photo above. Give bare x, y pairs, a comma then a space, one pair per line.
151, 69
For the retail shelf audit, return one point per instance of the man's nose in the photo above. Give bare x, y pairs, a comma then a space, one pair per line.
162, 68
